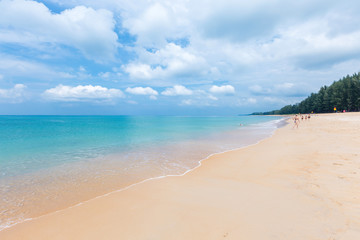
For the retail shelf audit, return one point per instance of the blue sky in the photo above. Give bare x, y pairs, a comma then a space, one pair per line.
178, 57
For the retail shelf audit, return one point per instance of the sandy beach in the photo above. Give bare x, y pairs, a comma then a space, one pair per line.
298, 184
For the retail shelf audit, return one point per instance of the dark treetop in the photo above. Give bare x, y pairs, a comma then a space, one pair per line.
342, 95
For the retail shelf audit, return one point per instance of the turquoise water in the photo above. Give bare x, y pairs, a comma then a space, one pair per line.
30, 143
51, 162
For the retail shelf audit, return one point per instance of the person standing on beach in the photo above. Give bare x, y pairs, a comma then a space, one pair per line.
296, 121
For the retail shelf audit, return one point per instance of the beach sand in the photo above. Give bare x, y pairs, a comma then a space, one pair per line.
298, 184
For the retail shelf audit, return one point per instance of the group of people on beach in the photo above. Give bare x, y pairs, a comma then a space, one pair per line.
297, 118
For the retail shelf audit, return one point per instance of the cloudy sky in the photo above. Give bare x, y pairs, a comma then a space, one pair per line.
179, 57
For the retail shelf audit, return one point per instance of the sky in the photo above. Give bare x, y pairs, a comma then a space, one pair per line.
179, 57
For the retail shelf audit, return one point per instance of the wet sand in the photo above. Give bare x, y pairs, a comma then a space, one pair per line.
51, 189
298, 184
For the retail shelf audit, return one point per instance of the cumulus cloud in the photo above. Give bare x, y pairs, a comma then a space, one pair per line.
153, 97
13, 95
177, 90
228, 22
142, 71
276, 36
172, 61
82, 93
88, 30
199, 98
226, 89
151, 26
143, 91
212, 97
298, 47
12, 67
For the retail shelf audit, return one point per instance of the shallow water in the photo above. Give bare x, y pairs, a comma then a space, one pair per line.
49, 163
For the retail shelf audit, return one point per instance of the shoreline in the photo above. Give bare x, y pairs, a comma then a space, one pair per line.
293, 185
279, 123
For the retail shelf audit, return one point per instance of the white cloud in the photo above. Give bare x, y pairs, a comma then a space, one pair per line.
104, 74
151, 26
153, 97
142, 91
155, 23
172, 61
211, 24
195, 43
186, 102
226, 89
13, 95
213, 97
177, 90
142, 71
82, 93
281, 38
199, 98
88, 30
12, 67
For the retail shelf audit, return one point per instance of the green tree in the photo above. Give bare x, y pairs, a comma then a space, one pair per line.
343, 94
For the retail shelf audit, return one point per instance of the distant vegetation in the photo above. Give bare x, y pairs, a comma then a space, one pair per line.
342, 95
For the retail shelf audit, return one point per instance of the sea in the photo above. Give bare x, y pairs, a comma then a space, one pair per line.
49, 163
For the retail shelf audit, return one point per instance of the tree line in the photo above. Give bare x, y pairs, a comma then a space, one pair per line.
340, 95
